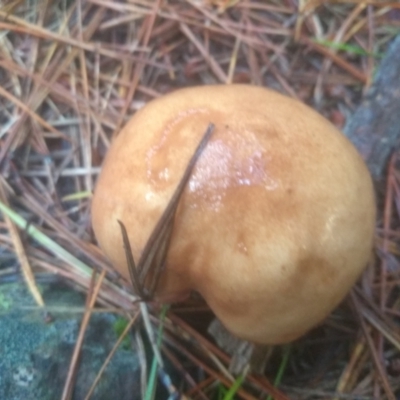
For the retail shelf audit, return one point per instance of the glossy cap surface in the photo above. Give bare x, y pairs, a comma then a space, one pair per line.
276, 223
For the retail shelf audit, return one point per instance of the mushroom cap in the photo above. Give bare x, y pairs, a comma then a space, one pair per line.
276, 222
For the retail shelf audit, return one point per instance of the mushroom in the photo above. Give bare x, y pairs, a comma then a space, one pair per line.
275, 223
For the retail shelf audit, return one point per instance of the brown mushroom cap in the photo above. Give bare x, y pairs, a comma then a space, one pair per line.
276, 222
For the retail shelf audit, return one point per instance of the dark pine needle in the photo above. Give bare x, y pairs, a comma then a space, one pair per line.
155, 251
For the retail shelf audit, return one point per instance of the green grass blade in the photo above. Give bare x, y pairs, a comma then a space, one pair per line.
46, 242
235, 387
152, 382
282, 367
348, 47
77, 196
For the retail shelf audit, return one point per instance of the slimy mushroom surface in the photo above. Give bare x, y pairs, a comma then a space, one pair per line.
275, 224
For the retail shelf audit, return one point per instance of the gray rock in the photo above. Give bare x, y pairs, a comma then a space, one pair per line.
375, 126
35, 352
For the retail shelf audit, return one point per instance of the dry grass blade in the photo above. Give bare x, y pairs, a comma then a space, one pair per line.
377, 360
91, 300
219, 73
143, 362
60, 252
39, 94
338, 60
20, 252
150, 333
147, 29
350, 371
86, 248
44, 34
111, 354
389, 332
192, 335
31, 113
80, 271
196, 388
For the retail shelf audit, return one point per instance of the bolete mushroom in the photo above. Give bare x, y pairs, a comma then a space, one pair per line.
275, 224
